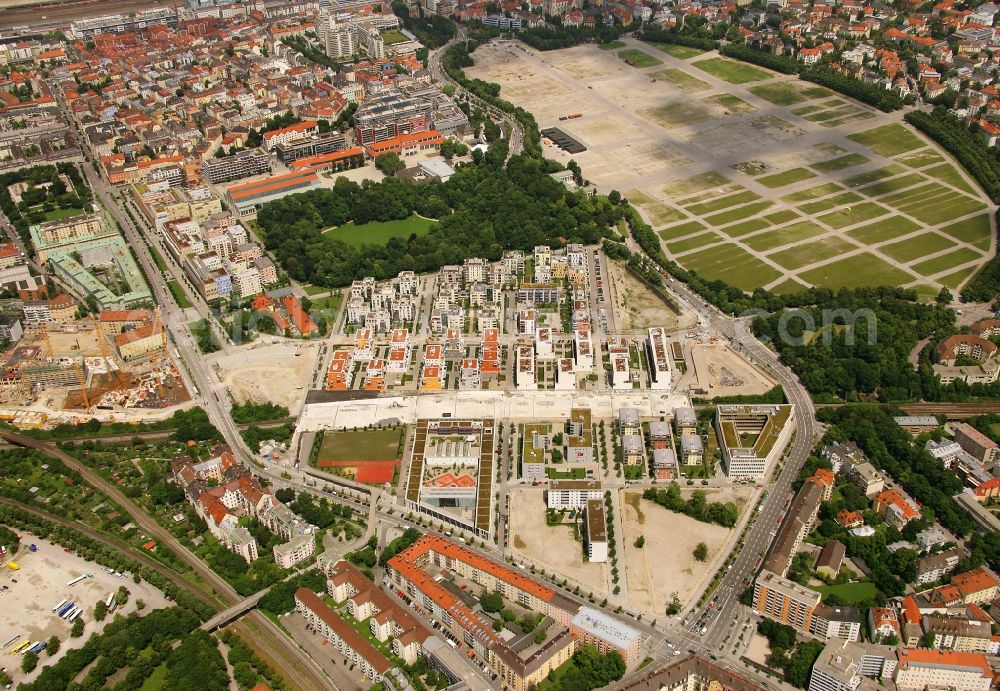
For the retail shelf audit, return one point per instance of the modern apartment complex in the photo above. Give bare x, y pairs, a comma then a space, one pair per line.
752, 437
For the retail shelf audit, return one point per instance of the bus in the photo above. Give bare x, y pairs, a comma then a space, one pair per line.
75, 614
59, 606
75, 581
21, 648
111, 596
68, 614
37, 647
10, 640
65, 608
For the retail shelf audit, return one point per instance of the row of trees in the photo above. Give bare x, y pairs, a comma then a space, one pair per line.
483, 210
553, 38
655, 33
872, 94
697, 507
966, 146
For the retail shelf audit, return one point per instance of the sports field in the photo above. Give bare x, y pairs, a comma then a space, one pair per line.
367, 456
379, 232
756, 178
361, 445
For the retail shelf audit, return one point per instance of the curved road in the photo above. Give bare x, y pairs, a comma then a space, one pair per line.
300, 669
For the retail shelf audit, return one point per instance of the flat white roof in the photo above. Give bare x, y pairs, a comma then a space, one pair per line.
614, 631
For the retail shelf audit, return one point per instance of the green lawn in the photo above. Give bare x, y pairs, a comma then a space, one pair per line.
681, 79
786, 178
893, 185
157, 259
812, 193
379, 232
157, 680
330, 302
829, 203
680, 230
638, 58
675, 51
785, 235
883, 229
314, 290
975, 231
393, 36
888, 140
179, 295
612, 45
946, 261
361, 445
779, 93
572, 474
919, 159
789, 285
808, 253
850, 215
874, 175
917, 246
59, 214
839, 163
750, 226
732, 71
694, 242
851, 593
732, 264
946, 172
859, 271
779, 217
734, 215
954, 280
720, 203
943, 209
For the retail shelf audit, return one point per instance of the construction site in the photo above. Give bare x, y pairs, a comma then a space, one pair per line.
109, 361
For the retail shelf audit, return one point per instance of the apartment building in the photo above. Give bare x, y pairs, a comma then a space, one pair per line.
896, 508
365, 602
299, 130
579, 436
921, 669
934, 567
351, 644
956, 633
797, 525
975, 443
685, 421
785, 601
572, 494
595, 531
242, 164
660, 360
593, 627
864, 476
836, 622
295, 149
976, 586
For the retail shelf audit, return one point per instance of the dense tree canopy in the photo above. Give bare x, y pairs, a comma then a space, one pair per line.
483, 210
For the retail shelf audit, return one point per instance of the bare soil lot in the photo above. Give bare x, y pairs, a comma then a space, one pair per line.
277, 373
26, 607
553, 548
720, 371
665, 564
637, 309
